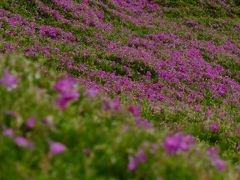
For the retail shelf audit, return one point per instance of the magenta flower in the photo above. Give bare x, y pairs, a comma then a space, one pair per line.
178, 142
116, 103
212, 152
172, 144
144, 123
135, 110
31, 122
214, 127
67, 92
209, 112
8, 80
112, 104
140, 156
91, 92
66, 87
50, 31
23, 142
62, 103
133, 161
132, 164
106, 106
9, 132
219, 164
57, 148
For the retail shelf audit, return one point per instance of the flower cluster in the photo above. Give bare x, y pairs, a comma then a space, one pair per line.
66, 87
178, 142
216, 160
138, 158
8, 80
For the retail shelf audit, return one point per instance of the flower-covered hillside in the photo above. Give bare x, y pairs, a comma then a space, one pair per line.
120, 89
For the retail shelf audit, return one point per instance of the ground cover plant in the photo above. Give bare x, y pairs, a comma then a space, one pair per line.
118, 89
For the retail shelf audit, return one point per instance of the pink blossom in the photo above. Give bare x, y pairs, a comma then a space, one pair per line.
9, 132
220, 164
31, 122
67, 90
132, 164
8, 80
214, 127
91, 92
57, 148
116, 103
133, 161
144, 123
178, 142
212, 152
23, 142
135, 110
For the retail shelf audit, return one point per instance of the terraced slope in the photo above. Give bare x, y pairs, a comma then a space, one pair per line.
117, 89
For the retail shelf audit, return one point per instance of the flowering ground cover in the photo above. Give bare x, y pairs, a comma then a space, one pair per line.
117, 89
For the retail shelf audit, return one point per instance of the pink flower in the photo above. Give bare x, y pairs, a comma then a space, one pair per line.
9, 132
112, 104
91, 92
31, 122
57, 148
209, 112
135, 110
106, 106
116, 103
214, 127
67, 92
220, 164
8, 80
23, 142
132, 164
133, 161
178, 142
217, 162
212, 152
144, 123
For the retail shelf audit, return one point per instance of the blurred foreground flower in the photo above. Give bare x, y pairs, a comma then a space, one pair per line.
140, 157
31, 122
91, 92
219, 164
214, 127
135, 110
8, 80
8, 132
57, 148
178, 142
67, 90
144, 123
23, 142
213, 152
